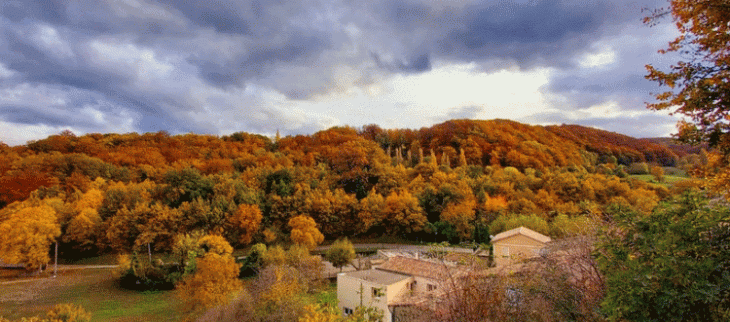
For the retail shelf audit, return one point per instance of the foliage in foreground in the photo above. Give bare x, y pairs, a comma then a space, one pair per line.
60, 313
671, 265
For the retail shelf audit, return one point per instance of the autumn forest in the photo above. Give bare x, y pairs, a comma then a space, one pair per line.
460, 180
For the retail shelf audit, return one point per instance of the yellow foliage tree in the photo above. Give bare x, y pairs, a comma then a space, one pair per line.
283, 283
214, 281
215, 244
84, 226
26, 232
402, 212
462, 216
370, 211
304, 232
274, 256
319, 313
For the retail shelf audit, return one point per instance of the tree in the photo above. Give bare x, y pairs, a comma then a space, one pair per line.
461, 215
658, 173
403, 213
668, 266
370, 211
304, 232
26, 232
340, 253
699, 85
214, 281
215, 277
245, 222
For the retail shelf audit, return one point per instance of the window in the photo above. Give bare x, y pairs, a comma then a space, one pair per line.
430, 287
377, 292
505, 251
347, 311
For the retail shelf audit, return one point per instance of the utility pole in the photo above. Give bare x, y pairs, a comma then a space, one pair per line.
55, 264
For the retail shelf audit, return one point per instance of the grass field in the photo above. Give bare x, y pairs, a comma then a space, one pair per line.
668, 180
94, 289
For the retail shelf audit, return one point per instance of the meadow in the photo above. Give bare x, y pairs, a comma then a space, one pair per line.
94, 289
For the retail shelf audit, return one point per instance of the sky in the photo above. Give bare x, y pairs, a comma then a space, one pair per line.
300, 66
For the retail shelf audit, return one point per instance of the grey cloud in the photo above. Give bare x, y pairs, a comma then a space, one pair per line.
415, 64
622, 81
294, 47
644, 126
53, 12
465, 112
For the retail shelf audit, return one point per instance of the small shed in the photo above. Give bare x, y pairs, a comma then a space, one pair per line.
517, 244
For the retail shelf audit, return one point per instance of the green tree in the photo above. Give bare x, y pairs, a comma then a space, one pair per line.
671, 265
340, 253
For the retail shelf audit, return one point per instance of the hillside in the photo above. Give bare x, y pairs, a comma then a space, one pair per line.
624, 148
680, 149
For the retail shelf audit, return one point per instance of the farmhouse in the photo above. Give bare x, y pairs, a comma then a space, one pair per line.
518, 244
408, 280
399, 281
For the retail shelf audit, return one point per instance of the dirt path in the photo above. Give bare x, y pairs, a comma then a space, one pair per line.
61, 268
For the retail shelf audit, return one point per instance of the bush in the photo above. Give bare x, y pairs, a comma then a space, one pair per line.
68, 313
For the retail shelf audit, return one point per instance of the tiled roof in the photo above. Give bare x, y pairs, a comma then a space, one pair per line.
522, 231
378, 276
416, 267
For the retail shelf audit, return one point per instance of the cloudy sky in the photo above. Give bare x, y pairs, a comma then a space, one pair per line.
221, 66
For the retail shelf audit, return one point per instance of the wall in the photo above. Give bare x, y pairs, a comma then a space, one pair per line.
348, 293
520, 247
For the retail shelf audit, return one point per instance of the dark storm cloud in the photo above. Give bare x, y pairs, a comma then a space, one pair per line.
23, 115
526, 32
53, 12
223, 16
259, 62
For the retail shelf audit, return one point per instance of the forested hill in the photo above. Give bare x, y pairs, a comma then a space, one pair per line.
680, 149
63, 158
120, 191
624, 148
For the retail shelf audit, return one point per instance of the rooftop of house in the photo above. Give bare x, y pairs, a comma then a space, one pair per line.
417, 267
521, 231
378, 276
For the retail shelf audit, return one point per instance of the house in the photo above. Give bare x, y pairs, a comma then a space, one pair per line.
517, 244
399, 281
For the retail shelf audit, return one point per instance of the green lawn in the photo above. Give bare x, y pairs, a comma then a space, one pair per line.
668, 180
94, 289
